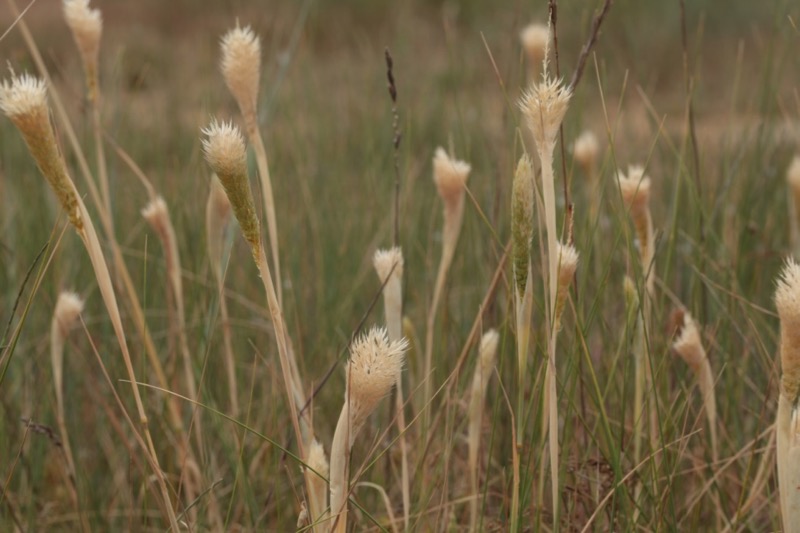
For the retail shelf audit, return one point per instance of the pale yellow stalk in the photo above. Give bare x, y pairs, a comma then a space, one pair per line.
793, 179
24, 101
487, 354
544, 106
787, 423
389, 267
374, 365
688, 345
450, 176
69, 306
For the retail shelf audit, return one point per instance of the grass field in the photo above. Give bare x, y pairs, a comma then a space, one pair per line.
724, 222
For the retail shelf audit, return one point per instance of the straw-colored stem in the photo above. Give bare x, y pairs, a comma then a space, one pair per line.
269, 202
230, 362
340, 469
549, 195
281, 337
524, 306
705, 380
450, 234
90, 240
788, 450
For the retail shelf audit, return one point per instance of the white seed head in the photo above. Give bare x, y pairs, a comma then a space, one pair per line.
224, 148
374, 366
68, 308
567, 264
535, 40
688, 345
241, 66
635, 188
23, 96
787, 300
793, 173
87, 27
156, 212
317, 459
386, 260
450, 176
544, 105
586, 149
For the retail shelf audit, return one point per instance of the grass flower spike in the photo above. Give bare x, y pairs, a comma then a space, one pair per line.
450, 177
787, 300
225, 152
586, 150
241, 67
87, 27
567, 265
689, 346
317, 484
535, 40
24, 101
522, 221
374, 367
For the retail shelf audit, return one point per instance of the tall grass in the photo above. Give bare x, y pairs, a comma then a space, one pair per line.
632, 443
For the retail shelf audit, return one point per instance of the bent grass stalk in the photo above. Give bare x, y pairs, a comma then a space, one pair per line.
24, 101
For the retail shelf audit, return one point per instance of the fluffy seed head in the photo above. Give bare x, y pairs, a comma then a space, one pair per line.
87, 26
567, 265
156, 212
586, 149
374, 366
241, 66
317, 459
450, 176
535, 40
787, 300
522, 220
68, 308
224, 150
544, 105
688, 344
24, 101
385, 260
635, 189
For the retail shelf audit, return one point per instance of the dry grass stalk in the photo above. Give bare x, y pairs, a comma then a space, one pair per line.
317, 485
793, 179
87, 27
69, 306
787, 423
389, 267
544, 105
487, 354
374, 367
218, 212
450, 177
225, 152
688, 345
241, 68
24, 101
586, 150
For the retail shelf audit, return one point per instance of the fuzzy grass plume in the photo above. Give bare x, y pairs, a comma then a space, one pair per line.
374, 367
787, 424
586, 150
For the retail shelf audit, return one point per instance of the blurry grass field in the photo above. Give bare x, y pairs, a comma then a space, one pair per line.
721, 218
